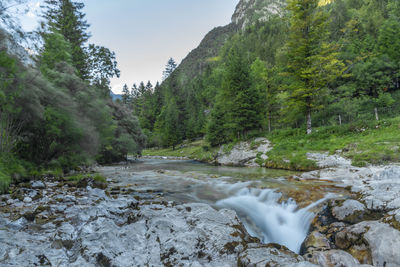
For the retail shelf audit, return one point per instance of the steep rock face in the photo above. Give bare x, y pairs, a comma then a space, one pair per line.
250, 11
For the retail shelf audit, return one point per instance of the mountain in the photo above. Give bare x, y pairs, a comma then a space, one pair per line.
246, 13
115, 97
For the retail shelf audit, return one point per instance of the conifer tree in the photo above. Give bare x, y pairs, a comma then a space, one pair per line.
312, 61
126, 95
68, 19
169, 68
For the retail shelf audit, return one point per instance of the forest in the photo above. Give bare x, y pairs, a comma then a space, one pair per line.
318, 64
313, 65
56, 114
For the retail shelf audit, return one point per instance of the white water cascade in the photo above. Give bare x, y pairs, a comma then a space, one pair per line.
271, 221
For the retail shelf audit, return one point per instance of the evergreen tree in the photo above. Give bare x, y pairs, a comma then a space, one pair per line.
68, 19
169, 68
126, 96
312, 62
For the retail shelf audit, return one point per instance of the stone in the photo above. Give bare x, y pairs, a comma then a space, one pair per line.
27, 199
333, 258
316, 240
371, 242
324, 160
245, 153
38, 185
257, 255
351, 211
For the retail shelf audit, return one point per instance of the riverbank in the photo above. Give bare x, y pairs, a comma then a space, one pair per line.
366, 143
145, 214
75, 222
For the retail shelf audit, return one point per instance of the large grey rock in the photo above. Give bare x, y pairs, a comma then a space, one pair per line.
334, 258
245, 153
324, 160
350, 211
269, 255
371, 242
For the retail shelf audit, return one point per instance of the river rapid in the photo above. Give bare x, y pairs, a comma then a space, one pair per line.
272, 205
162, 213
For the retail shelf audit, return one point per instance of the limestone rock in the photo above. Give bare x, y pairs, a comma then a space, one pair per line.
334, 258
316, 240
350, 211
245, 153
257, 255
371, 242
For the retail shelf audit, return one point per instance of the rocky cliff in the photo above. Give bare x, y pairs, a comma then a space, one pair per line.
246, 13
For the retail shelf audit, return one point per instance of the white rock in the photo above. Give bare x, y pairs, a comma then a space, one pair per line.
27, 200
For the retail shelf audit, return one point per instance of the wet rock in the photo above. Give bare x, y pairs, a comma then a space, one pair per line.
350, 211
333, 258
316, 241
257, 255
371, 242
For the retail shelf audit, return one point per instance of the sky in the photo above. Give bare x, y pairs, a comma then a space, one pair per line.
144, 34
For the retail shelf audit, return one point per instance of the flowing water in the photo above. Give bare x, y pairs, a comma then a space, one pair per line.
273, 206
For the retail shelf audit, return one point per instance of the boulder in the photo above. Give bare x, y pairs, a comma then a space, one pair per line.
257, 255
371, 242
333, 258
351, 211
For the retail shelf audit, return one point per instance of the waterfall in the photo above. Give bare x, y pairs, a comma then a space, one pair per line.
272, 221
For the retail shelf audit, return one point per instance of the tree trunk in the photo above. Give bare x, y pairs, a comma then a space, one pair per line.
269, 121
340, 119
376, 114
309, 122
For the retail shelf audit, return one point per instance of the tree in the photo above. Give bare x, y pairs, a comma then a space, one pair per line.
66, 17
102, 65
312, 61
244, 101
169, 68
263, 81
126, 95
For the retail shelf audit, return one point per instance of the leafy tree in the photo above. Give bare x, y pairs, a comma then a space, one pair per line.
102, 64
312, 61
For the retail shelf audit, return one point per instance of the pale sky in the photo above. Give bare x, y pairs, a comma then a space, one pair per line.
145, 33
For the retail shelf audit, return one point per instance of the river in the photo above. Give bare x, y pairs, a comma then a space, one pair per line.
273, 205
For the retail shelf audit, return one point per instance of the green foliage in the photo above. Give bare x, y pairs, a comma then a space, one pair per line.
312, 61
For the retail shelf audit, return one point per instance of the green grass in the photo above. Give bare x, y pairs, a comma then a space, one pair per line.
198, 150
364, 143
96, 177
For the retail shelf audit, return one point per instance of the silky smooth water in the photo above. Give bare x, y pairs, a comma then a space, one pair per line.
261, 197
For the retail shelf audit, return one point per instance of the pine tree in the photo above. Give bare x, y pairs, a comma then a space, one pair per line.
313, 61
68, 19
126, 96
243, 100
169, 68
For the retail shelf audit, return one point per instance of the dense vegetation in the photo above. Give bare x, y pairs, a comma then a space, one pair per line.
57, 114
325, 65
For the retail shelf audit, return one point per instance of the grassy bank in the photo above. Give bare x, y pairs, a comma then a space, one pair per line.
374, 142
197, 150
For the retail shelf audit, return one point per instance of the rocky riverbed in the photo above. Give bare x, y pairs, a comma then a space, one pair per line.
54, 222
